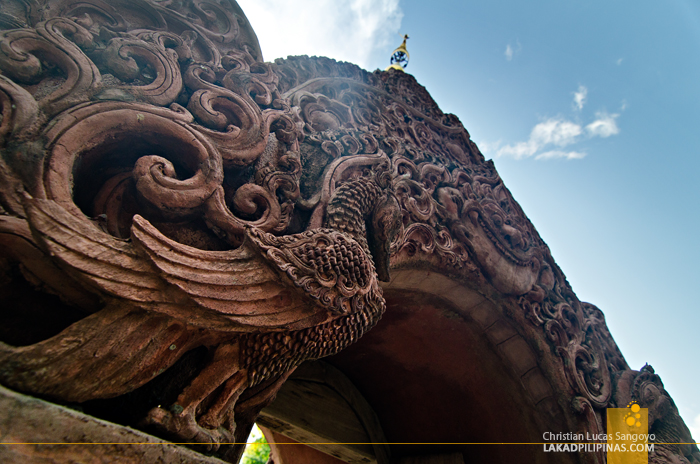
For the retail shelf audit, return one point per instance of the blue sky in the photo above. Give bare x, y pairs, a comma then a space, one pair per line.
590, 111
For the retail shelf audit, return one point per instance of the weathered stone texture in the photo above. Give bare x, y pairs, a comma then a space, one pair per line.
183, 224
70, 436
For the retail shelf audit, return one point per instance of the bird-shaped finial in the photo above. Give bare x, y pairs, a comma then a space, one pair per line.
400, 56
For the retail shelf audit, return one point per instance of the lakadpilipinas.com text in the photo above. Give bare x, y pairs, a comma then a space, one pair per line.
592, 443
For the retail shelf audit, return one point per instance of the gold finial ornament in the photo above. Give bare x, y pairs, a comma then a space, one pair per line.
400, 57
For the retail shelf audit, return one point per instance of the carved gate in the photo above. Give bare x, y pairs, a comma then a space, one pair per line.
183, 225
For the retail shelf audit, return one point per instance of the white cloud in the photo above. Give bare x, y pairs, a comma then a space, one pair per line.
555, 131
604, 125
580, 97
560, 154
695, 428
509, 52
548, 137
347, 30
619, 61
518, 151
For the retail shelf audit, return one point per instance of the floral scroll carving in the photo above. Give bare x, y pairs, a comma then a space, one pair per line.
646, 389
182, 203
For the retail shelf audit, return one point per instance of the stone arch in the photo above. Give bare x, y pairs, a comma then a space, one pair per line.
468, 354
243, 227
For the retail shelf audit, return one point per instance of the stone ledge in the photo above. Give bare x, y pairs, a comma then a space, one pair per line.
36, 431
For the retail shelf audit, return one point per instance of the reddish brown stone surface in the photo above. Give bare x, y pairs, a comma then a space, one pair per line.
70, 436
182, 224
475, 391
285, 450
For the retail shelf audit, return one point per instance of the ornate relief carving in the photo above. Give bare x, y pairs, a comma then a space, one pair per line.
578, 335
175, 192
573, 336
123, 126
645, 387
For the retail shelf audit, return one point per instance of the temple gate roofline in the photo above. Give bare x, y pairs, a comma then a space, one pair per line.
193, 239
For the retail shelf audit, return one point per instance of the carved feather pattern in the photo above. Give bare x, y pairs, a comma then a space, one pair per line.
177, 294
93, 257
112, 351
234, 290
330, 266
238, 284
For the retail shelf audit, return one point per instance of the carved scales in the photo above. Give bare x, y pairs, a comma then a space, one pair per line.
163, 190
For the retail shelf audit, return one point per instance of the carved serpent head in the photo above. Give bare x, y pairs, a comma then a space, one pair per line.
383, 226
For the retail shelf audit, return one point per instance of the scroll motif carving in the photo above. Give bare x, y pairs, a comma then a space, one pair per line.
136, 154
577, 334
147, 59
21, 59
645, 388
175, 195
439, 175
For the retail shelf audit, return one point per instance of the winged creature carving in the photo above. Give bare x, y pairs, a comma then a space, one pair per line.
261, 309
137, 137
